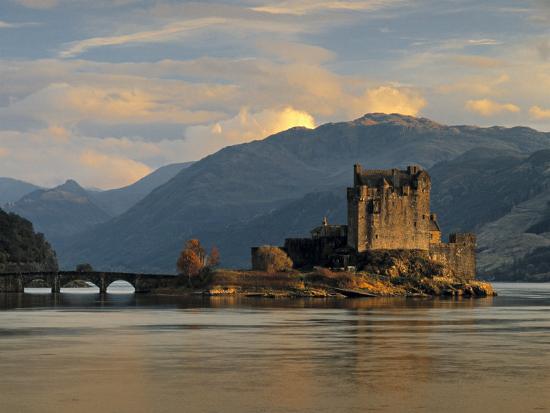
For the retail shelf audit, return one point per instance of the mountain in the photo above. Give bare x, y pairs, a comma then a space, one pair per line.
12, 190
61, 211
504, 197
117, 201
21, 249
219, 196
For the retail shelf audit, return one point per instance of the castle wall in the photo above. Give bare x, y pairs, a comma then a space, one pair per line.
390, 215
458, 256
308, 252
357, 218
399, 221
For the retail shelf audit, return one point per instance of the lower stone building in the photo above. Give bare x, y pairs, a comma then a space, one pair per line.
388, 210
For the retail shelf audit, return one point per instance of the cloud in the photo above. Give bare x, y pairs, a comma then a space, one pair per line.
537, 112
483, 62
8, 25
315, 6
295, 52
476, 85
389, 99
543, 47
245, 127
177, 30
106, 170
483, 42
38, 4
43, 159
167, 32
487, 107
62, 103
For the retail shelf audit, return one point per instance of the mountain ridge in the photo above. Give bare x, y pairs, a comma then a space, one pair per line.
248, 180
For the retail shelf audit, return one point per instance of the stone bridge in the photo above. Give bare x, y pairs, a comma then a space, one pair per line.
142, 283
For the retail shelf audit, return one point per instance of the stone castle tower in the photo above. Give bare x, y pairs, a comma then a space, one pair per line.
390, 209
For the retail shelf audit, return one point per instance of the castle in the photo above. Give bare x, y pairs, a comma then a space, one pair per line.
387, 210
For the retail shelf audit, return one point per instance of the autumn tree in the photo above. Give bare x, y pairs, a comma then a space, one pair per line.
272, 259
193, 260
214, 257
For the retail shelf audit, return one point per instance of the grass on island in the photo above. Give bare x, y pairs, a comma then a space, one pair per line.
322, 282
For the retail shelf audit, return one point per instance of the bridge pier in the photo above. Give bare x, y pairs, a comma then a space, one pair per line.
56, 284
12, 284
102, 284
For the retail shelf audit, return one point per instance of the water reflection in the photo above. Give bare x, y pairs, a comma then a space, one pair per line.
72, 352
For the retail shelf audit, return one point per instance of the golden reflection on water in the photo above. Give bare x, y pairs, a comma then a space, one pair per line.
165, 354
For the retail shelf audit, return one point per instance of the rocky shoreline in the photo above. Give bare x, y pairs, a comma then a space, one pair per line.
324, 284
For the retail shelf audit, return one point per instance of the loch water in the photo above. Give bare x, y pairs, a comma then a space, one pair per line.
82, 352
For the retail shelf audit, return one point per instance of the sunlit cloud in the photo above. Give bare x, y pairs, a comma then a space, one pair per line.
314, 6
244, 127
67, 104
9, 25
54, 160
487, 107
111, 171
478, 61
537, 112
476, 85
176, 31
164, 33
389, 99
483, 42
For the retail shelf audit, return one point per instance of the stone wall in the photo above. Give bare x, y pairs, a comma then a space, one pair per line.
458, 256
393, 212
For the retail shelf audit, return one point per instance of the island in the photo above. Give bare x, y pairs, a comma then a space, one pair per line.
391, 246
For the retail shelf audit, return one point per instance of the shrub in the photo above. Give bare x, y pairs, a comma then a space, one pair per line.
272, 259
84, 267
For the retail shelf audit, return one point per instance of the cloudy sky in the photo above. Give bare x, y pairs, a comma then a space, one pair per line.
105, 91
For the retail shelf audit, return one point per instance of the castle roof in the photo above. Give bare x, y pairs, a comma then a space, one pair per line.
389, 177
434, 226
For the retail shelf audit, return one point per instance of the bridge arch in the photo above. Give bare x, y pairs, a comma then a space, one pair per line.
31, 280
113, 286
69, 287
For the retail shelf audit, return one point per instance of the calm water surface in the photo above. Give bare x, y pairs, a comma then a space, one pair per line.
84, 353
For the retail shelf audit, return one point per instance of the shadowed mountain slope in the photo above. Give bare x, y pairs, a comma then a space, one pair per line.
12, 190
117, 201
224, 192
64, 210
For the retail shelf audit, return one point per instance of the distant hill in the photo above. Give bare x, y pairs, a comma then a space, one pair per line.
220, 197
21, 249
12, 190
504, 197
69, 209
61, 211
117, 201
